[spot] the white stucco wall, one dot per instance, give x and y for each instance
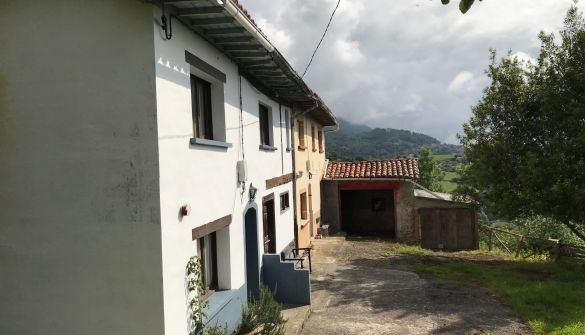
(80, 249)
(205, 177)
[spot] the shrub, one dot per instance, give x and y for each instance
(262, 316)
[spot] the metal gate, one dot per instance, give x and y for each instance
(448, 228)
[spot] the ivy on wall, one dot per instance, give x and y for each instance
(195, 291)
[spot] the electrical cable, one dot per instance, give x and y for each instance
(321, 40)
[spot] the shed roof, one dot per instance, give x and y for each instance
(406, 168)
(230, 28)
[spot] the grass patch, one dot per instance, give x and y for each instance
(550, 296)
(397, 248)
(448, 186)
(440, 158)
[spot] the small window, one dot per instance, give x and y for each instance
(320, 137)
(304, 213)
(284, 203)
(264, 117)
(201, 108)
(378, 205)
(301, 126)
(208, 255)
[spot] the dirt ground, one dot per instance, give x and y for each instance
(359, 290)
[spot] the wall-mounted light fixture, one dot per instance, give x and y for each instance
(185, 210)
(252, 192)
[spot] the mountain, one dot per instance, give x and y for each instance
(359, 142)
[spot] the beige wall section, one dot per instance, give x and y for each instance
(80, 241)
(309, 174)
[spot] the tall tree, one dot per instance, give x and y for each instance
(429, 173)
(525, 141)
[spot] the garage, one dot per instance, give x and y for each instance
(368, 212)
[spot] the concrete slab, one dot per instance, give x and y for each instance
(358, 289)
(295, 317)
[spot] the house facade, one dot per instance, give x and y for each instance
(136, 136)
(310, 166)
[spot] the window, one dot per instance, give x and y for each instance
(304, 213)
(378, 205)
(208, 255)
(201, 108)
(320, 137)
(284, 204)
(264, 125)
(288, 128)
(301, 126)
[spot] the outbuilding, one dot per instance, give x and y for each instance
(382, 198)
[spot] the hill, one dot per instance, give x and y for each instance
(359, 142)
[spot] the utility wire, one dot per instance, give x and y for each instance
(321, 40)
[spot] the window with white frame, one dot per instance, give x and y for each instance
(207, 101)
(265, 125)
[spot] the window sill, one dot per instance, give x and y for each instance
(321, 151)
(209, 143)
(304, 224)
(267, 147)
(217, 301)
(282, 211)
(289, 149)
(302, 148)
(314, 150)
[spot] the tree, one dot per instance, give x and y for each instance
(464, 5)
(429, 173)
(525, 141)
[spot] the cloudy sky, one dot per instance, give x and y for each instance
(408, 64)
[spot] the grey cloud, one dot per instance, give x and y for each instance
(389, 63)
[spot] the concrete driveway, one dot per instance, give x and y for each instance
(358, 290)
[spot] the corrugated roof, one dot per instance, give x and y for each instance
(392, 168)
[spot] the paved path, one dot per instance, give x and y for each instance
(356, 290)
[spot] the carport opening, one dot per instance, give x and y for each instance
(368, 212)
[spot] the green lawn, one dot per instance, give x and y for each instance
(549, 296)
(439, 158)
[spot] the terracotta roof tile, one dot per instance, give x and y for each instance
(392, 168)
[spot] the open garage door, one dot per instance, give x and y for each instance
(448, 228)
(368, 212)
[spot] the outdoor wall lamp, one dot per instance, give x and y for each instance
(252, 192)
(185, 210)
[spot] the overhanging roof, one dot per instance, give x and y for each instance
(228, 27)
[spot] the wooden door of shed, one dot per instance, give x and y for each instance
(448, 228)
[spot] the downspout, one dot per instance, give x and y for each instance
(294, 167)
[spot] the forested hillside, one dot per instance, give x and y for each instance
(359, 142)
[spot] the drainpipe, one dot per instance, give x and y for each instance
(294, 167)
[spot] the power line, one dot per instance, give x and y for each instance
(321, 40)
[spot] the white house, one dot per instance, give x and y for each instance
(128, 144)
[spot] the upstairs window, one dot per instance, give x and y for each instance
(320, 137)
(304, 213)
(301, 131)
(201, 108)
(313, 138)
(208, 255)
(264, 116)
(284, 202)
